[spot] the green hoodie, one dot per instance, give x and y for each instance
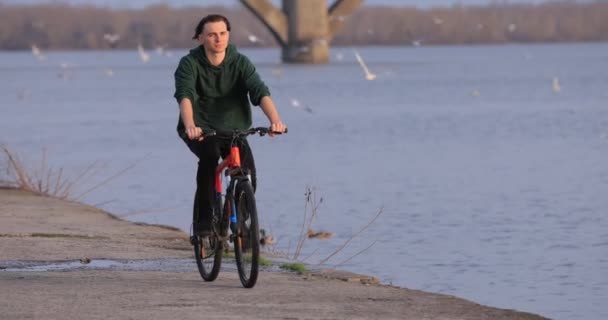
(218, 93)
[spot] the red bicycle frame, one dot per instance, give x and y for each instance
(232, 161)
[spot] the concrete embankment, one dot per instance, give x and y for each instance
(44, 232)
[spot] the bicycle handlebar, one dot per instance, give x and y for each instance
(241, 133)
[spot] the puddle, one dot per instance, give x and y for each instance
(158, 264)
(168, 265)
(175, 265)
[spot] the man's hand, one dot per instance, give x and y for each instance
(195, 133)
(276, 127)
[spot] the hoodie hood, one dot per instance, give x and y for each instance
(199, 53)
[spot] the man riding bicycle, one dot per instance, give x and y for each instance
(213, 86)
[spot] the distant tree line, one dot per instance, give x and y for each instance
(60, 26)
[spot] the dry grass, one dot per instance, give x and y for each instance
(312, 204)
(42, 180)
(311, 211)
(47, 181)
(345, 243)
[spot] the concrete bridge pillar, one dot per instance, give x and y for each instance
(303, 28)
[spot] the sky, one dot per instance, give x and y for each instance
(179, 3)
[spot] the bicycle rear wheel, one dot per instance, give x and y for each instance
(246, 240)
(208, 251)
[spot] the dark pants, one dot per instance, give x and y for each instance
(209, 152)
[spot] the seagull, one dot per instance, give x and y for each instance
(475, 93)
(296, 104)
(112, 38)
(108, 72)
(143, 55)
(437, 20)
(556, 87)
(65, 72)
(161, 50)
(512, 27)
(254, 39)
(303, 49)
(368, 74)
(37, 53)
(339, 56)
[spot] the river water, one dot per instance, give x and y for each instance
(489, 163)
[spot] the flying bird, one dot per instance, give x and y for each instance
(254, 39)
(112, 39)
(368, 74)
(296, 104)
(143, 55)
(556, 86)
(37, 53)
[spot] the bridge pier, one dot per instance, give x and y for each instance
(303, 28)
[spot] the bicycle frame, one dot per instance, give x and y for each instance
(232, 161)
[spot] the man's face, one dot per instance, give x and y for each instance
(215, 36)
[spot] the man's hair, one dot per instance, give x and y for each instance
(210, 18)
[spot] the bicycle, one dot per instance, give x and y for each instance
(235, 211)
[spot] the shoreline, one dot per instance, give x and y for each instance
(48, 230)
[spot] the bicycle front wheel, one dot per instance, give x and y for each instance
(246, 238)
